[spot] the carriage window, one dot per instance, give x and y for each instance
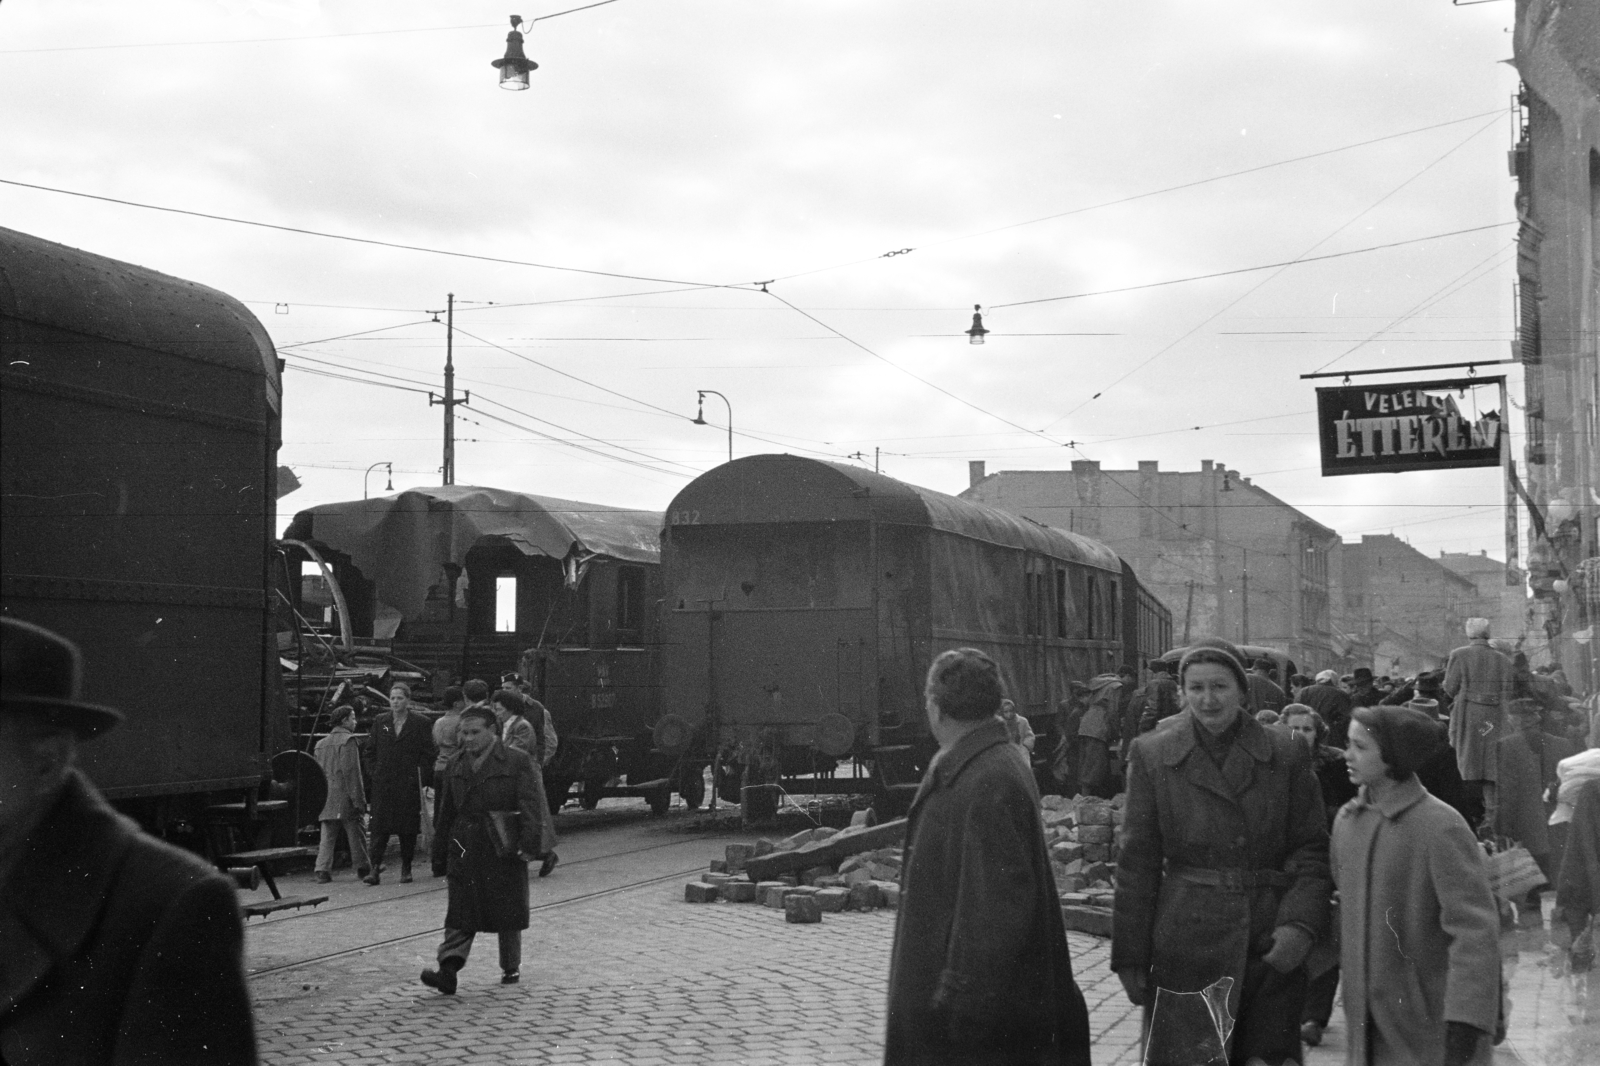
(505, 603)
(1061, 602)
(1093, 612)
(1034, 607)
(1116, 611)
(630, 599)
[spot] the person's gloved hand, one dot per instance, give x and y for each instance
(1290, 946)
(1134, 983)
(1461, 1043)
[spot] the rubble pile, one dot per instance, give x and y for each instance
(812, 873)
(1083, 834)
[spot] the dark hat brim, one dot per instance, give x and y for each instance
(85, 719)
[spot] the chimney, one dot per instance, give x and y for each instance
(1205, 466)
(1149, 466)
(974, 472)
(1085, 466)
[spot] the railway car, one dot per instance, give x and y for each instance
(139, 433)
(468, 581)
(804, 601)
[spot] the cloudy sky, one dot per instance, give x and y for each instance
(673, 154)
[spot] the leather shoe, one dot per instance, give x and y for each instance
(371, 878)
(443, 979)
(363, 872)
(323, 877)
(510, 977)
(405, 873)
(549, 863)
(1311, 1033)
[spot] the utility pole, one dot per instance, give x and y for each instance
(1245, 618)
(1188, 613)
(449, 402)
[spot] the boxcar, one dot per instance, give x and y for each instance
(804, 601)
(480, 582)
(140, 416)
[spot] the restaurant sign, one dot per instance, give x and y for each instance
(1423, 425)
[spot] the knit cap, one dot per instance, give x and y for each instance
(1215, 650)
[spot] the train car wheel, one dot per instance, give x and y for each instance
(692, 786)
(307, 788)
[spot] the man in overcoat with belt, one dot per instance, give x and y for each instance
(403, 753)
(1478, 681)
(981, 973)
(116, 949)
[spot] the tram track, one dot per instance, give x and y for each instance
(441, 886)
(436, 930)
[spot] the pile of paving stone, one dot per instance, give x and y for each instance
(812, 873)
(1084, 834)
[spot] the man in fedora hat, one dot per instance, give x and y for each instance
(117, 948)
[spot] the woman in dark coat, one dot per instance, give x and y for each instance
(402, 747)
(488, 890)
(1223, 873)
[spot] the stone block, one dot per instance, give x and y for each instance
(1095, 921)
(1059, 817)
(738, 892)
(764, 846)
(718, 879)
(771, 893)
(1096, 871)
(789, 879)
(1094, 812)
(1094, 834)
(883, 871)
(891, 894)
(699, 892)
(833, 900)
(858, 876)
(1070, 883)
(868, 817)
(831, 881)
(719, 866)
(809, 875)
(832, 850)
(736, 855)
(1096, 852)
(800, 909)
(866, 896)
(1053, 803)
(803, 890)
(1066, 851)
(853, 862)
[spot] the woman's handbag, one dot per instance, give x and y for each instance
(1513, 873)
(505, 833)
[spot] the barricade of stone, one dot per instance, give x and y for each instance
(832, 871)
(1084, 835)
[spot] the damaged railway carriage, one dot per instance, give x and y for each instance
(139, 432)
(480, 582)
(805, 601)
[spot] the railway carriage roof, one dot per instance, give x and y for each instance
(401, 541)
(54, 285)
(790, 488)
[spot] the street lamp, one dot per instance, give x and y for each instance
(514, 66)
(387, 488)
(700, 414)
(976, 333)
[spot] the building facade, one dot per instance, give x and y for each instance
(1556, 164)
(1401, 610)
(1502, 596)
(1227, 557)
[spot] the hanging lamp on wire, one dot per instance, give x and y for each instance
(976, 334)
(514, 66)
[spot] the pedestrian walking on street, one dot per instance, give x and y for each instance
(1265, 695)
(402, 742)
(1330, 701)
(1419, 927)
(445, 743)
(981, 972)
(118, 948)
(1222, 882)
(1478, 679)
(488, 831)
(517, 731)
(338, 755)
(1097, 733)
(1527, 762)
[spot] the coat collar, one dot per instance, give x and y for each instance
(55, 893)
(1181, 740)
(1404, 796)
(947, 765)
(496, 762)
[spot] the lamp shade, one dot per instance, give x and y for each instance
(514, 65)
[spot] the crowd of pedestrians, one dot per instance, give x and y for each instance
(1279, 843)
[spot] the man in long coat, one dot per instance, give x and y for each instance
(488, 891)
(981, 972)
(1332, 703)
(1478, 680)
(118, 949)
(403, 753)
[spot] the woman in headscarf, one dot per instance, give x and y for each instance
(1419, 928)
(1222, 882)
(488, 830)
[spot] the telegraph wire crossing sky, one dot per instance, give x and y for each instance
(1214, 199)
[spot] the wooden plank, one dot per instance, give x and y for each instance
(254, 858)
(266, 907)
(829, 852)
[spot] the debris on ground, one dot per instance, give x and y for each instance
(1083, 835)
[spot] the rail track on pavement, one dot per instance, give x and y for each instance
(441, 886)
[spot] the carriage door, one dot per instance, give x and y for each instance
(1033, 672)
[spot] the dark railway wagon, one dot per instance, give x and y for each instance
(139, 431)
(1146, 623)
(479, 582)
(806, 599)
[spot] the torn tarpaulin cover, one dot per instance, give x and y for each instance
(400, 542)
